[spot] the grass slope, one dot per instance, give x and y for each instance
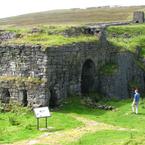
(74, 16)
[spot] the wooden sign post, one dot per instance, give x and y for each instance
(42, 112)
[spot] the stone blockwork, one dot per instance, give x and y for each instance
(138, 17)
(65, 66)
(119, 84)
(23, 75)
(36, 76)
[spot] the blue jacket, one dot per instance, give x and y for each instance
(136, 97)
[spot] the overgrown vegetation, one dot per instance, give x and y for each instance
(21, 80)
(140, 64)
(45, 35)
(109, 69)
(128, 37)
(51, 40)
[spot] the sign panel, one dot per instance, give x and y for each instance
(42, 112)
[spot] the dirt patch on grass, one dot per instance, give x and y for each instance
(61, 137)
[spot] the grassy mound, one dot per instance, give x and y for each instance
(128, 37)
(45, 35)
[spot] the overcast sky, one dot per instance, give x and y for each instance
(18, 7)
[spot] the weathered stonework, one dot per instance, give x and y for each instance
(65, 65)
(35, 76)
(138, 17)
(118, 84)
(23, 74)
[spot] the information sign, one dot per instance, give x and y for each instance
(42, 112)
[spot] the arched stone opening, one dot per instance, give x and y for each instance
(88, 77)
(5, 95)
(53, 101)
(24, 98)
(137, 22)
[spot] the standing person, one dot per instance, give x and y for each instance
(135, 102)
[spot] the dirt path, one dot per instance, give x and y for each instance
(61, 137)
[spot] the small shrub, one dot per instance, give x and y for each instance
(140, 64)
(29, 127)
(14, 121)
(18, 109)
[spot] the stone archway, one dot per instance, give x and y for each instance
(88, 77)
(25, 99)
(5, 95)
(53, 101)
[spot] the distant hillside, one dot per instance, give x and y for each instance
(74, 16)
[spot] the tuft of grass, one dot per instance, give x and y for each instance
(13, 120)
(140, 64)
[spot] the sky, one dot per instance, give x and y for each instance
(17, 7)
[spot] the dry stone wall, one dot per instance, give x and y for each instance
(23, 74)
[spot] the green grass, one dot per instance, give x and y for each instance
(26, 124)
(46, 36)
(128, 37)
(62, 120)
(51, 40)
(103, 138)
(112, 137)
(130, 30)
(121, 117)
